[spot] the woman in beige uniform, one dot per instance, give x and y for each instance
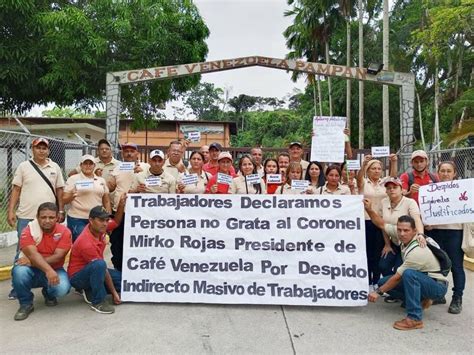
(293, 172)
(240, 185)
(197, 161)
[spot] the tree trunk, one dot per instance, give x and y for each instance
(436, 137)
(319, 96)
(385, 100)
(348, 63)
(329, 80)
(361, 83)
(421, 122)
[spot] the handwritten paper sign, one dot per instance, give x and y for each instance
(190, 179)
(353, 164)
(224, 179)
(194, 136)
(447, 202)
(127, 166)
(327, 144)
(84, 184)
(379, 152)
(299, 184)
(253, 179)
(274, 179)
(153, 181)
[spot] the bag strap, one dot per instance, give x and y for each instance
(45, 179)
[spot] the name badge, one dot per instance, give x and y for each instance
(190, 179)
(299, 184)
(253, 179)
(274, 179)
(153, 181)
(127, 166)
(224, 179)
(84, 185)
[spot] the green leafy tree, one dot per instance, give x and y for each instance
(204, 101)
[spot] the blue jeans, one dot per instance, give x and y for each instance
(450, 241)
(415, 287)
(21, 224)
(76, 225)
(389, 263)
(24, 278)
(92, 277)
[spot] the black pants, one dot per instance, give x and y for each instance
(116, 245)
(374, 244)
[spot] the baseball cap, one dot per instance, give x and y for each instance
(99, 212)
(130, 145)
(87, 157)
(38, 141)
(295, 143)
(224, 155)
(103, 141)
(157, 153)
(393, 180)
(419, 153)
(215, 145)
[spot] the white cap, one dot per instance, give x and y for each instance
(87, 157)
(419, 154)
(224, 155)
(157, 153)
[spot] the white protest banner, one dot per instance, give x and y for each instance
(153, 181)
(84, 184)
(274, 179)
(224, 179)
(253, 179)
(447, 202)
(380, 152)
(258, 249)
(299, 184)
(194, 136)
(126, 166)
(353, 164)
(327, 144)
(189, 179)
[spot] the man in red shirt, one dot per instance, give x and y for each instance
(212, 166)
(87, 269)
(44, 244)
(419, 176)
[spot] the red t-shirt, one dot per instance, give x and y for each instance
(271, 188)
(59, 238)
(85, 249)
(417, 179)
(213, 169)
(221, 188)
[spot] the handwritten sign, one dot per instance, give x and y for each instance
(253, 179)
(447, 202)
(299, 184)
(153, 181)
(274, 179)
(127, 166)
(194, 136)
(379, 152)
(327, 144)
(84, 184)
(353, 164)
(190, 179)
(224, 179)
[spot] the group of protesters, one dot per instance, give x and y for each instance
(95, 195)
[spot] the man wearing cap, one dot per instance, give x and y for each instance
(204, 150)
(216, 184)
(174, 164)
(154, 179)
(419, 176)
(87, 269)
(35, 181)
(84, 191)
(213, 166)
(295, 149)
(44, 244)
(258, 156)
(105, 163)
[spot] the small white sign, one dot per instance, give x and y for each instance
(127, 166)
(379, 152)
(84, 184)
(153, 181)
(194, 136)
(190, 179)
(274, 179)
(253, 179)
(299, 184)
(224, 179)
(353, 164)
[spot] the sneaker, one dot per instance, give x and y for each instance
(408, 324)
(391, 299)
(12, 295)
(456, 305)
(103, 307)
(426, 303)
(78, 291)
(87, 294)
(23, 312)
(439, 301)
(49, 301)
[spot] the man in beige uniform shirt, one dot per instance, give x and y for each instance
(154, 179)
(174, 164)
(296, 152)
(30, 189)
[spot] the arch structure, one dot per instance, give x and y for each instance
(405, 81)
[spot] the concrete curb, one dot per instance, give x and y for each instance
(5, 273)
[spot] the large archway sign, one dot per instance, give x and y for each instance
(406, 82)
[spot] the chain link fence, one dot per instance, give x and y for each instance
(15, 148)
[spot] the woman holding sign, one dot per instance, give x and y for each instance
(449, 237)
(333, 184)
(248, 182)
(271, 175)
(83, 192)
(294, 174)
(220, 183)
(195, 180)
(315, 176)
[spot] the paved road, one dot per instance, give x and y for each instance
(72, 327)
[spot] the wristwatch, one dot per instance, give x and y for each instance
(379, 292)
